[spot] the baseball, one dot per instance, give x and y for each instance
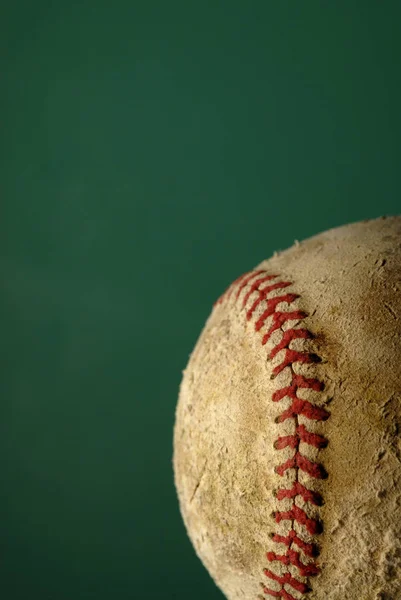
(287, 447)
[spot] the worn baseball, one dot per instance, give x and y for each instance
(287, 447)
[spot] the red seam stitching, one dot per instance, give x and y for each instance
(300, 490)
(302, 434)
(226, 295)
(289, 579)
(278, 317)
(309, 549)
(292, 557)
(313, 526)
(281, 594)
(298, 461)
(262, 293)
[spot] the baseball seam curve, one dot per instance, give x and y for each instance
(255, 289)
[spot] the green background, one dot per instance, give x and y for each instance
(150, 153)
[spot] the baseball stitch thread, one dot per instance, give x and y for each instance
(249, 284)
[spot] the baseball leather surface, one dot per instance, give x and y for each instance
(287, 447)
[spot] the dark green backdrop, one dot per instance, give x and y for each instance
(151, 152)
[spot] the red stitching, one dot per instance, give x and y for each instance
(289, 579)
(279, 318)
(281, 594)
(292, 538)
(246, 281)
(298, 461)
(299, 515)
(303, 435)
(305, 408)
(300, 490)
(291, 557)
(250, 284)
(262, 293)
(298, 381)
(226, 295)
